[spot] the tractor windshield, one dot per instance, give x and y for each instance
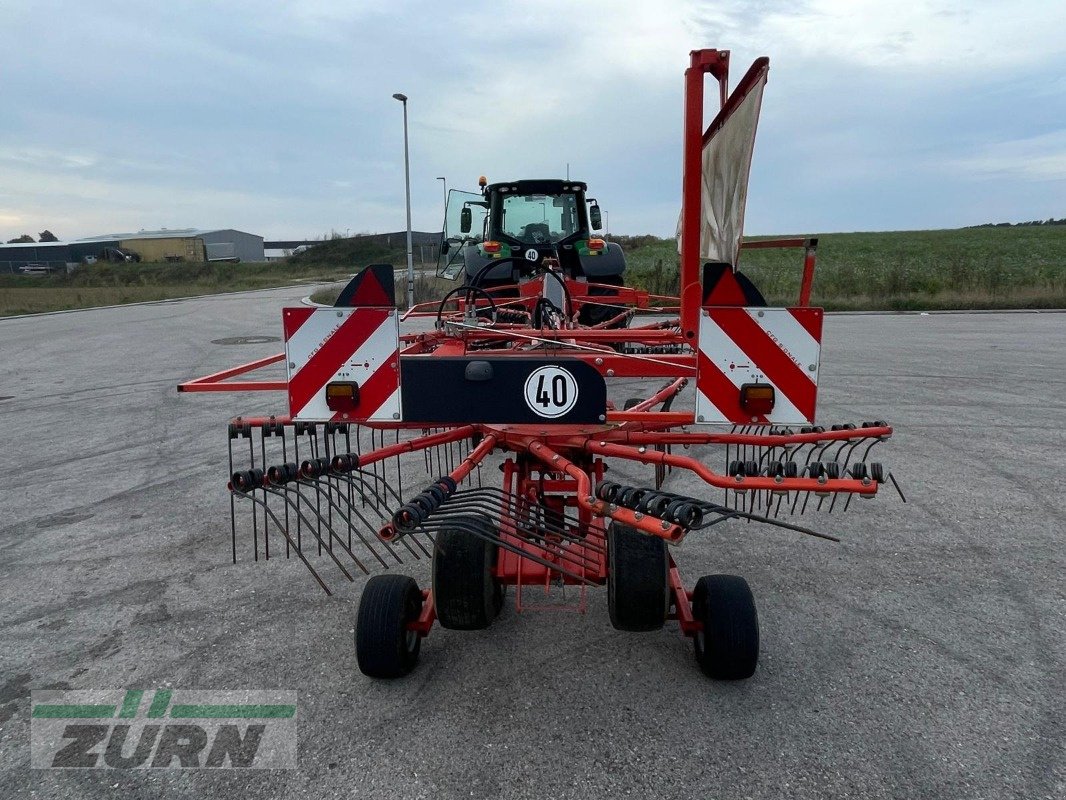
(539, 218)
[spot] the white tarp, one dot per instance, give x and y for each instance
(726, 165)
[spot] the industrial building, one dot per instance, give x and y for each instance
(187, 244)
(179, 244)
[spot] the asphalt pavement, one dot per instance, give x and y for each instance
(923, 657)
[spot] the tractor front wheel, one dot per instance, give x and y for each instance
(728, 646)
(385, 646)
(638, 596)
(466, 593)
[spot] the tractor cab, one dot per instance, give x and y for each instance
(504, 234)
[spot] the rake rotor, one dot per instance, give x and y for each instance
(510, 371)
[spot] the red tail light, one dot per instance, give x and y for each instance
(342, 396)
(757, 399)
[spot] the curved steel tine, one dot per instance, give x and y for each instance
(851, 450)
(559, 552)
(777, 508)
(315, 484)
(899, 491)
(380, 507)
(777, 523)
(364, 483)
(560, 530)
(478, 531)
(875, 440)
(448, 511)
(318, 536)
(500, 505)
(288, 538)
(350, 501)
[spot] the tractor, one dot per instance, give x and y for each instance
(499, 238)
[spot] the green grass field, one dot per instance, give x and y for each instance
(1019, 267)
(969, 268)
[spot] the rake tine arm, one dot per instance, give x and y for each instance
(661, 396)
(725, 482)
(510, 515)
(315, 483)
(561, 555)
(645, 435)
(526, 534)
(288, 538)
(892, 478)
(587, 500)
(725, 513)
(376, 507)
(364, 482)
(389, 532)
(477, 530)
(420, 443)
(502, 505)
(283, 494)
(474, 458)
(777, 523)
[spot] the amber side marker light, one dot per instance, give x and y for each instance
(757, 399)
(342, 396)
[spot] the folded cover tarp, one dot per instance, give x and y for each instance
(727, 150)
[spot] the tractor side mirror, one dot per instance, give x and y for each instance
(466, 220)
(595, 218)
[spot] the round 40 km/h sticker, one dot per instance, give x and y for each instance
(551, 391)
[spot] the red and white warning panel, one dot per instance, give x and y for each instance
(343, 364)
(758, 365)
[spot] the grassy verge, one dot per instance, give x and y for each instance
(114, 284)
(970, 268)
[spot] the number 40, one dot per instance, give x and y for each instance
(559, 391)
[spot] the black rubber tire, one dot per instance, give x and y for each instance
(638, 593)
(728, 646)
(466, 593)
(384, 647)
(632, 401)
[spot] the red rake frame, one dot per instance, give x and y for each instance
(558, 470)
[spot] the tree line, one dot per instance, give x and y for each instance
(1051, 221)
(43, 236)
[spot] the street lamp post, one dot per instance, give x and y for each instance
(407, 179)
(445, 181)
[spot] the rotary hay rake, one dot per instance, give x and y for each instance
(511, 381)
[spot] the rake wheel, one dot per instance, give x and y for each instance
(728, 646)
(465, 590)
(638, 595)
(384, 646)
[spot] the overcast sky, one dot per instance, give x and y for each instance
(277, 117)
